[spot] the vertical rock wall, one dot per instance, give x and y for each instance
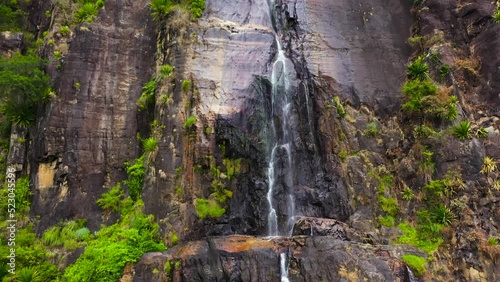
(89, 130)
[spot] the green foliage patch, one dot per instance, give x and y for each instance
(417, 264)
(463, 130)
(148, 94)
(208, 208)
(135, 181)
(23, 84)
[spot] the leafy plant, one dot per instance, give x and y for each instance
(417, 69)
(208, 207)
(340, 109)
(444, 70)
(166, 71)
(160, 9)
(111, 199)
(417, 264)
(462, 131)
(189, 122)
(493, 241)
(415, 91)
(489, 165)
(149, 144)
(23, 85)
(82, 233)
(442, 215)
(186, 85)
(64, 30)
(87, 12)
(27, 274)
(372, 129)
(408, 194)
(481, 133)
(196, 7)
(387, 221)
(388, 205)
(135, 181)
(148, 94)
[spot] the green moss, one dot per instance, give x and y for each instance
(342, 154)
(208, 208)
(340, 109)
(417, 264)
(177, 264)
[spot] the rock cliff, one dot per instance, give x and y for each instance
(339, 155)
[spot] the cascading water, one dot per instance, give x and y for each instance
(284, 268)
(280, 172)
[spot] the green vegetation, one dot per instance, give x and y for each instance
(372, 129)
(112, 199)
(69, 235)
(12, 18)
(196, 7)
(135, 181)
(481, 133)
(149, 144)
(496, 15)
(88, 11)
(340, 109)
(421, 237)
(417, 264)
(463, 131)
(189, 123)
(166, 71)
(387, 221)
(489, 165)
(174, 239)
(186, 85)
(167, 267)
(233, 167)
(114, 246)
(64, 30)
(148, 94)
(493, 241)
(408, 194)
(160, 9)
(417, 70)
(23, 85)
(208, 207)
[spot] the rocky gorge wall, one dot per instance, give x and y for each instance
(356, 157)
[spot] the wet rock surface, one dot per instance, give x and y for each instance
(245, 258)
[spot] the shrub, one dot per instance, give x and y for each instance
(417, 264)
(442, 215)
(148, 94)
(408, 194)
(186, 85)
(23, 85)
(189, 122)
(27, 274)
(444, 70)
(87, 12)
(114, 246)
(415, 91)
(496, 16)
(340, 109)
(64, 30)
(417, 69)
(149, 144)
(462, 131)
(372, 129)
(489, 165)
(196, 7)
(208, 207)
(388, 205)
(135, 179)
(111, 199)
(82, 233)
(160, 9)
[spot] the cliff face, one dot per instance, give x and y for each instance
(291, 106)
(89, 130)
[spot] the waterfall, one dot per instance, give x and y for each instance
(280, 173)
(284, 268)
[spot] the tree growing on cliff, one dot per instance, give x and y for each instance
(23, 84)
